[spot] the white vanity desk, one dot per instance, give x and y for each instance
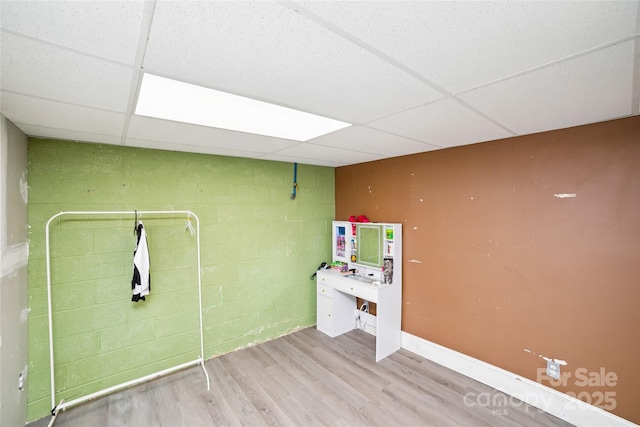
(336, 308)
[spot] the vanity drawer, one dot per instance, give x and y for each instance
(355, 288)
(325, 290)
(327, 282)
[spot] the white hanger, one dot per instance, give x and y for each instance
(189, 227)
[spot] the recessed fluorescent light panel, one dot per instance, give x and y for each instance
(169, 99)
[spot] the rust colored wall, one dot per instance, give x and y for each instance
(499, 268)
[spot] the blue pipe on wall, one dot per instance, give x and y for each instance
(295, 181)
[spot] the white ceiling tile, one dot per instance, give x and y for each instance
(269, 52)
(460, 45)
(109, 29)
(177, 133)
(168, 146)
(70, 135)
(443, 123)
(583, 90)
(307, 161)
(307, 150)
(523, 66)
(364, 139)
(43, 71)
(57, 115)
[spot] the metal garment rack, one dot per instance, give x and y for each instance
(199, 361)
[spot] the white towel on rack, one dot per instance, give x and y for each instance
(141, 283)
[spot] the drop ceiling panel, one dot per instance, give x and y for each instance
(443, 123)
(364, 139)
(306, 150)
(178, 134)
(267, 51)
(303, 160)
(70, 135)
(109, 29)
(411, 76)
(57, 115)
(583, 90)
(460, 45)
(44, 71)
(169, 146)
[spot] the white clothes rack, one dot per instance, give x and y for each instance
(62, 405)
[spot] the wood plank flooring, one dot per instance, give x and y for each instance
(309, 379)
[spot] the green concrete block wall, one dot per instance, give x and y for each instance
(258, 249)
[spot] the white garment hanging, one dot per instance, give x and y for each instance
(141, 282)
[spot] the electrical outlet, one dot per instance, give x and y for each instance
(553, 369)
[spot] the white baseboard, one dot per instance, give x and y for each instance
(559, 404)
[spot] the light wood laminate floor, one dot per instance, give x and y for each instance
(309, 379)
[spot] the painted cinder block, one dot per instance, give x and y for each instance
(87, 164)
(253, 194)
(209, 255)
(215, 193)
(37, 300)
(39, 386)
(223, 273)
(69, 296)
(187, 301)
(111, 289)
(38, 329)
(126, 334)
(91, 318)
(86, 267)
(81, 346)
(258, 248)
(156, 305)
(107, 240)
(225, 346)
(175, 280)
(177, 323)
(211, 295)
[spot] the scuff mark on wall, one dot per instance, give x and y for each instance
(564, 195)
(24, 188)
(24, 314)
(558, 361)
(417, 261)
(14, 257)
(548, 359)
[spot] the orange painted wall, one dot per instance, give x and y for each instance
(500, 268)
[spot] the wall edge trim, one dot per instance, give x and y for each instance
(535, 394)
